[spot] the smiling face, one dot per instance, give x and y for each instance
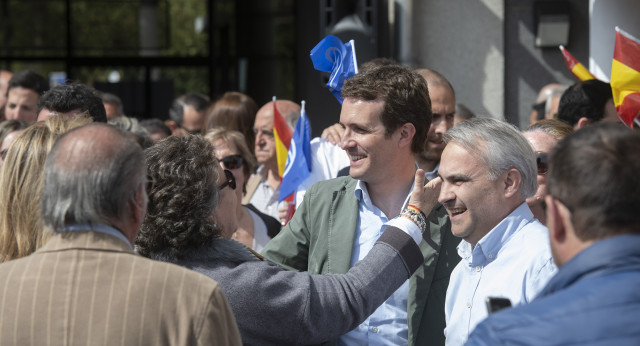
(371, 153)
(475, 202)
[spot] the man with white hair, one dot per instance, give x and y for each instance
(488, 170)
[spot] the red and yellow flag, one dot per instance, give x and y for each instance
(282, 134)
(625, 77)
(575, 66)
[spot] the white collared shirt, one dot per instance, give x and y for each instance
(512, 261)
(388, 324)
(265, 198)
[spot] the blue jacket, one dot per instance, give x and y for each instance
(594, 299)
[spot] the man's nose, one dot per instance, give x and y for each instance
(346, 141)
(445, 193)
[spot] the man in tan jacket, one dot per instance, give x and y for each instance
(86, 286)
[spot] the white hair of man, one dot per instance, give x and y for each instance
(500, 146)
(91, 177)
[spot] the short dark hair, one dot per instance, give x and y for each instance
(594, 172)
(29, 80)
(67, 97)
(405, 95)
(584, 99)
(198, 101)
(183, 172)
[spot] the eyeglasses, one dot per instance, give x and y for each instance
(232, 161)
(231, 180)
(542, 163)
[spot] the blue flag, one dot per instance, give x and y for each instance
(299, 158)
(331, 55)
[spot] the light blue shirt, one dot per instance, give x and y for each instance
(512, 261)
(388, 324)
(102, 228)
(433, 174)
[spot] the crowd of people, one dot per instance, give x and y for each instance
(417, 214)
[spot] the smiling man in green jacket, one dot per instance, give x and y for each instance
(386, 115)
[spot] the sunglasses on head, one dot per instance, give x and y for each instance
(542, 163)
(231, 180)
(231, 161)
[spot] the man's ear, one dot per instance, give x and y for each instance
(174, 127)
(406, 133)
(139, 204)
(555, 220)
(512, 182)
(582, 122)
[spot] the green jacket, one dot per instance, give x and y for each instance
(319, 239)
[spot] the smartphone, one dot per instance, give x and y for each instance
(495, 304)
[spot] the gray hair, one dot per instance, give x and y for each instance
(500, 146)
(90, 179)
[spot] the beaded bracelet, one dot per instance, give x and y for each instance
(416, 215)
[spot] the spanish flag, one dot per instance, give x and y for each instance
(282, 134)
(625, 77)
(575, 66)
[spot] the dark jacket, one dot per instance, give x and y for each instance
(274, 306)
(594, 299)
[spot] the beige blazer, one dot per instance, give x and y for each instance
(89, 288)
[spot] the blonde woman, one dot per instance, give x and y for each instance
(543, 135)
(255, 229)
(21, 230)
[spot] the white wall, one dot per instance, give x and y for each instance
(463, 40)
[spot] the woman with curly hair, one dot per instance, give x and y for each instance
(21, 230)
(191, 214)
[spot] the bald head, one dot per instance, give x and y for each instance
(435, 79)
(93, 175)
(289, 110)
(265, 148)
(90, 147)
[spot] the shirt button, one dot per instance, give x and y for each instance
(478, 268)
(490, 255)
(374, 329)
(469, 305)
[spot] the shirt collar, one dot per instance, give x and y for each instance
(101, 228)
(262, 173)
(362, 195)
(433, 174)
(489, 246)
